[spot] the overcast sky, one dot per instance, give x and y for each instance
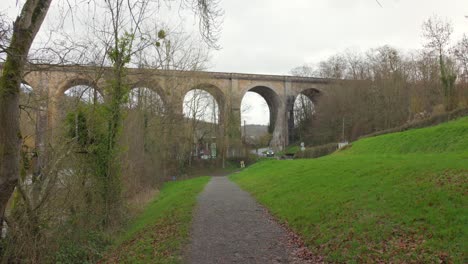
(274, 36)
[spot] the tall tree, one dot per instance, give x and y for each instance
(25, 28)
(461, 54)
(437, 33)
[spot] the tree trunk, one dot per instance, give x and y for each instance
(25, 29)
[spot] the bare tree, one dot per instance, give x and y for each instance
(437, 33)
(461, 54)
(5, 34)
(304, 71)
(177, 51)
(334, 67)
(357, 66)
(201, 109)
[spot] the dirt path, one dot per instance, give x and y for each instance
(230, 227)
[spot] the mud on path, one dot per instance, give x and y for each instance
(230, 227)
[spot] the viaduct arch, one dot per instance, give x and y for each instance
(227, 88)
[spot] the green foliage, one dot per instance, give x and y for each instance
(161, 34)
(122, 52)
(7, 86)
(77, 127)
(160, 232)
(89, 126)
(292, 149)
(394, 198)
(81, 246)
(317, 151)
(104, 150)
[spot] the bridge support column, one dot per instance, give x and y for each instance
(280, 137)
(39, 81)
(233, 137)
(231, 125)
(278, 141)
(290, 117)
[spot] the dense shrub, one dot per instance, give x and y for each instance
(432, 121)
(318, 151)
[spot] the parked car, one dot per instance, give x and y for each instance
(270, 153)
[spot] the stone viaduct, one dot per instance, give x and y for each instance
(227, 88)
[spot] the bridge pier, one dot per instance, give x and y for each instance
(284, 116)
(233, 146)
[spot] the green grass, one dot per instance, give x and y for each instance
(290, 149)
(160, 232)
(399, 197)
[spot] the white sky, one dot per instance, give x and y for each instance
(274, 36)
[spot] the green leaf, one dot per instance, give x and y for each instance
(161, 34)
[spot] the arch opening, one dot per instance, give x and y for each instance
(255, 119)
(75, 112)
(147, 99)
(83, 94)
(303, 110)
(259, 111)
(201, 105)
(203, 114)
(272, 101)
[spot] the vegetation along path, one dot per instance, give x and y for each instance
(230, 227)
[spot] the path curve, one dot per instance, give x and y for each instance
(230, 227)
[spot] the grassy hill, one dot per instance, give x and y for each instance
(399, 197)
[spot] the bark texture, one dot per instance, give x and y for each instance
(25, 28)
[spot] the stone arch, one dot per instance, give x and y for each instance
(300, 108)
(153, 86)
(60, 103)
(217, 94)
(78, 82)
(312, 93)
(154, 97)
(214, 90)
(209, 134)
(273, 101)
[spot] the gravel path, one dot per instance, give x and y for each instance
(230, 227)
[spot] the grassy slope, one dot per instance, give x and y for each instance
(161, 231)
(399, 197)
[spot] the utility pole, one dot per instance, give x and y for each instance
(343, 137)
(245, 130)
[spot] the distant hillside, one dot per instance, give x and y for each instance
(255, 130)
